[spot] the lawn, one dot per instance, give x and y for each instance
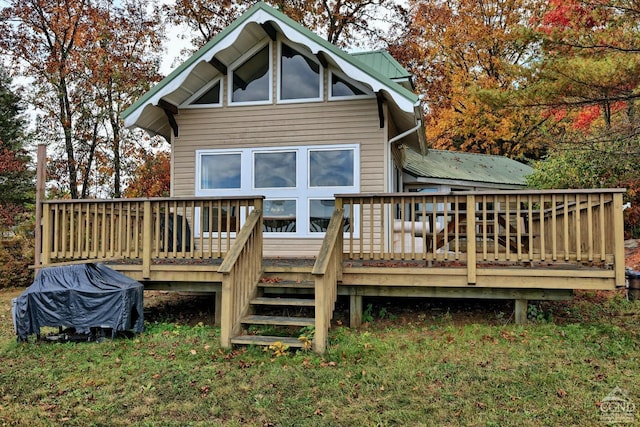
(419, 363)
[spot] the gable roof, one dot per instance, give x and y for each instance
(231, 43)
(459, 166)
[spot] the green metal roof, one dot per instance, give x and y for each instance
(383, 62)
(455, 165)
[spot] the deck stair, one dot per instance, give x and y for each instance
(283, 307)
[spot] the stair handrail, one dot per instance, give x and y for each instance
(241, 270)
(327, 271)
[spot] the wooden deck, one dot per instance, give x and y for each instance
(521, 245)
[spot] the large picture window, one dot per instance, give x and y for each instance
(298, 182)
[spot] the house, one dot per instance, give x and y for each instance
(267, 107)
(298, 168)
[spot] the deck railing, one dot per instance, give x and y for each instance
(142, 229)
(327, 271)
(241, 271)
(491, 227)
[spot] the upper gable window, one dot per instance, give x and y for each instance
(252, 80)
(211, 96)
(208, 96)
(300, 76)
(341, 88)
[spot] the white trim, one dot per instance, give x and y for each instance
(245, 58)
(302, 51)
(187, 104)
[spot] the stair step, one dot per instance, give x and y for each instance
(266, 340)
(287, 284)
(279, 320)
(295, 302)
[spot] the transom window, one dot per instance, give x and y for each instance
(298, 182)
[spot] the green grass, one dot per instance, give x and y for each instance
(422, 369)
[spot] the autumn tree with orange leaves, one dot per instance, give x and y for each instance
(470, 58)
(88, 60)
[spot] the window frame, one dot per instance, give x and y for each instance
(321, 73)
(243, 60)
(368, 93)
(302, 193)
(188, 103)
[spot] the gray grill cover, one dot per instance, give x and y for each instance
(80, 296)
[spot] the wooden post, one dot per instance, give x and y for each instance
(521, 311)
(147, 228)
(471, 239)
(355, 311)
(320, 339)
(218, 308)
(41, 179)
(226, 313)
(618, 240)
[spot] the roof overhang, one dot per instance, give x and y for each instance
(260, 21)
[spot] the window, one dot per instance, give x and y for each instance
(341, 88)
(298, 182)
(220, 171)
(208, 96)
(251, 81)
(279, 216)
(331, 168)
(299, 75)
(275, 170)
(320, 212)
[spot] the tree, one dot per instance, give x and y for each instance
(471, 58)
(341, 22)
(152, 177)
(16, 179)
(88, 60)
(590, 70)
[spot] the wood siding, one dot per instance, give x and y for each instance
(282, 125)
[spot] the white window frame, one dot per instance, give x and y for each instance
(188, 103)
(303, 52)
(368, 93)
(302, 193)
(241, 61)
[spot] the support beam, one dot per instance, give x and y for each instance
(270, 30)
(218, 65)
(170, 110)
(380, 100)
(521, 311)
(355, 311)
(322, 59)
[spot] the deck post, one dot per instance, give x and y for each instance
(147, 223)
(618, 240)
(521, 311)
(217, 308)
(471, 239)
(41, 178)
(355, 311)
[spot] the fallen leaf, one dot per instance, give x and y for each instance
(561, 393)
